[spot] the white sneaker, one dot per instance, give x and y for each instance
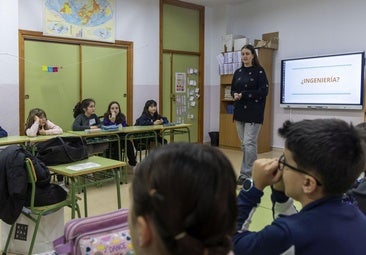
(134, 168)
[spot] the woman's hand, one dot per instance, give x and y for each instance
(237, 96)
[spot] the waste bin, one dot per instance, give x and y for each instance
(214, 136)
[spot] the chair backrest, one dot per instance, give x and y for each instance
(32, 179)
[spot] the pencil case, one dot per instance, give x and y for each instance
(106, 234)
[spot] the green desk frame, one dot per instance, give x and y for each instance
(78, 179)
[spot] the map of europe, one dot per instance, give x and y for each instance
(85, 19)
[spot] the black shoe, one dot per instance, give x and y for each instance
(132, 163)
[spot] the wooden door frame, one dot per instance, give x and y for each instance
(24, 35)
(200, 54)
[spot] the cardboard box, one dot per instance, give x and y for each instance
(240, 42)
(272, 40)
(269, 40)
(228, 42)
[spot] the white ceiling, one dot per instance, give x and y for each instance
(214, 2)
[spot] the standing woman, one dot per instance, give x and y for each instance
(249, 89)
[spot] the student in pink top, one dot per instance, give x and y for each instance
(38, 124)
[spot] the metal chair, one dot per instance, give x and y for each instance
(35, 213)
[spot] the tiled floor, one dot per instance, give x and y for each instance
(104, 198)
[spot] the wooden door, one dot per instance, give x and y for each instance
(55, 91)
(104, 76)
(181, 51)
(183, 98)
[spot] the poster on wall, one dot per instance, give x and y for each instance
(81, 19)
(180, 82)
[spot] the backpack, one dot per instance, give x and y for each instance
(42, 171)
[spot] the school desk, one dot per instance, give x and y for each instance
(175, 129)
(14, 139)
(91, 171)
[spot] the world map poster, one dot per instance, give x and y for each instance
(82, 19)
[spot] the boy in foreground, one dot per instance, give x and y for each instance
(321, 161)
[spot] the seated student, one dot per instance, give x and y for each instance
(321, 160)
(150, 116)
(85, 117)
(38, 124)
(114, 116)
(3, 132)
(183, 201)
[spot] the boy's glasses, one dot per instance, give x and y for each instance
(282, 163)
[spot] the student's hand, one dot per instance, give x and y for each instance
(36, 118)
(158, 122)
(279, 186)
(265, 172)
(42, 131)
(93, 127)
(112, 117)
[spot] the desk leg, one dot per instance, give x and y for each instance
(83, 188)
(189, 134)
(73, 196)
(118, 188)
(120, 155)
(125, 171)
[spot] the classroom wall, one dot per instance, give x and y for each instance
(306, 28)
(136, 21)
(9, 78)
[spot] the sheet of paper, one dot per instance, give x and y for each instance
(83, 166)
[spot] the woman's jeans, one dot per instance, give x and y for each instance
(248, 134)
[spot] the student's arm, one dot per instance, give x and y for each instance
(3, 133)
(165, 120)
(52, 129)
(124, 121)
(273, 239)
(78, 124)
(107, 121)
(33, 130)
(144, 121)
(98, 123)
